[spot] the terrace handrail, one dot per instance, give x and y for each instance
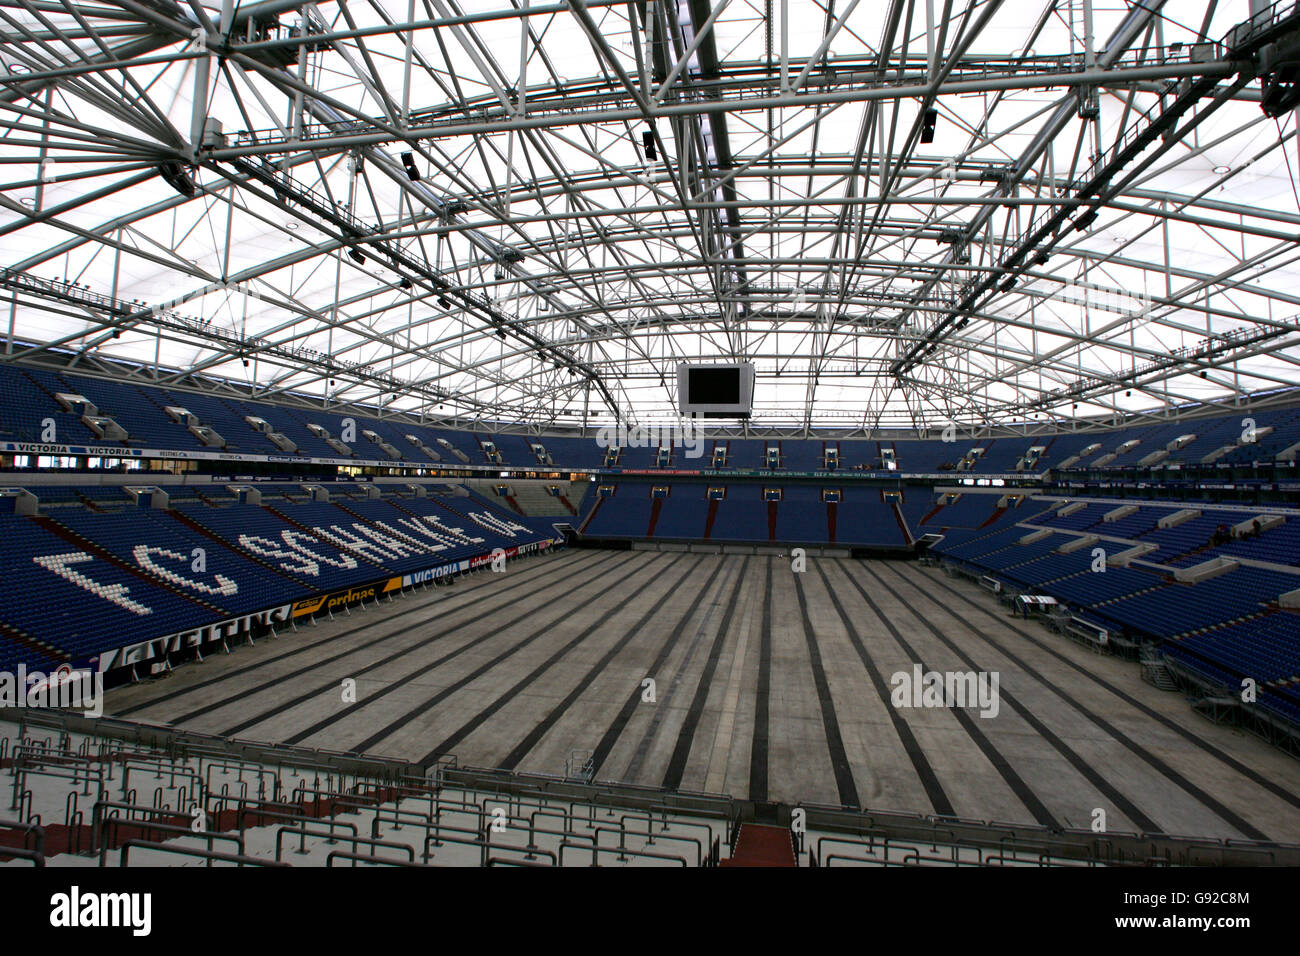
(1067, 844)
(236, 858)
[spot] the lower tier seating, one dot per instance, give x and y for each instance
(79, 583)
(1241, 622)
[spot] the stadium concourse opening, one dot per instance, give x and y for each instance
(679, 434)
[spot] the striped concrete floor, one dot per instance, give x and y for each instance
(767, 683)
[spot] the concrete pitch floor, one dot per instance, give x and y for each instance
(768, 684)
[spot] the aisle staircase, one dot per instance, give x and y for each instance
(1155, 672)
(760, 844)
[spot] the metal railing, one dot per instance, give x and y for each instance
(507, 818)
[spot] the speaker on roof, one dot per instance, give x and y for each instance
(408, 160)
(648, 143)
(927, 126)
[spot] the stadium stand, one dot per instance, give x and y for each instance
(682, 434)
(93, 570)
(1240, 619)
(141, 411)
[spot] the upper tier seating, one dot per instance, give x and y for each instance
(27, 400)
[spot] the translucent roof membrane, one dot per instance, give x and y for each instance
(1023, 212)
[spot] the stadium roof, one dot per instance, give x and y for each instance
(1104, 220)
